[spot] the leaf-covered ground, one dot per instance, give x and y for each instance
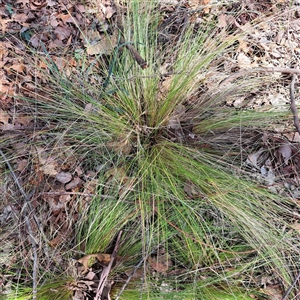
(41, 174)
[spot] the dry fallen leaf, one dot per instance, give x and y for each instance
(4, 119)
(243, 46)
(105, 46)
(222, 23)
(161, 263)
(62, 32)
(284, 151)
(47, 164)
(253, 158)
(88, 260)
(244, 61)
(65, 17)
(18, 67)
(76, 182)
(292, 137)
(63, 177)
(108, 11)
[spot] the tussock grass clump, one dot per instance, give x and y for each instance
(163, 179)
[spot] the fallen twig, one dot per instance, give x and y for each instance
(279, 70)
(106, 270)
(130, 277)
(293, 104)
(285, 297)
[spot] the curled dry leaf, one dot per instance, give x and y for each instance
(285, 151)
(108, 11)
(62, 32)
(253, 158)
(47, 164)
(78, 295)
(49, 168)
(76, 182)
(292, 136)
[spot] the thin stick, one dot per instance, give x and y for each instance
(130, 276)
(280, 70)
(106, 270)
(285, 297)
(293, 104)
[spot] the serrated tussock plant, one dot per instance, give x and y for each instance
(173, 185)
